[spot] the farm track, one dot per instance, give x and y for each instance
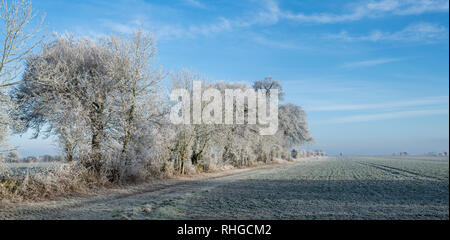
(168, 187)
(330, 188)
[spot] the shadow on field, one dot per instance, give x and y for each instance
(310, 199)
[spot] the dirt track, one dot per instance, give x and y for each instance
(351, 188)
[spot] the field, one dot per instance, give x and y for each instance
(328, 188)
(37, 167)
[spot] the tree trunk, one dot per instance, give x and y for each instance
(97, 138)
(69, 152)
(128, 134)
(96, 143)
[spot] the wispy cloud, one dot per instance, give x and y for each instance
(390, 115)
(268, 12)
(370, 63)
(373, 9)
(444, 100)
(427, 32)
(170, 31)
(195, 3)
(125, 28)
(272, 13)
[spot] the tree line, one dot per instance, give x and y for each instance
(107, 103)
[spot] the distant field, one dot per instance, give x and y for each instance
(39, 167)
(330, 188)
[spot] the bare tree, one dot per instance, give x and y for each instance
(17, 40)
(267, 84)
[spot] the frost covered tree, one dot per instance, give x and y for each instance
(293, 127)
(236, 141)
(70, 76)
(184, 134)
(12, 156)
(39, 110)
(139, 86)
(100, 98)
(267, 84)
(235, 144)
(17, 39)
(104, 102)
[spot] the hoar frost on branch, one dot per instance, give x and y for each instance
(101, 88)
(104, 102)
(18, 37)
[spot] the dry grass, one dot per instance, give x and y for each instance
(73, 179)
(61, 182)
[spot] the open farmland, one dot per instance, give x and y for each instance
(20, 169)
(328, 188)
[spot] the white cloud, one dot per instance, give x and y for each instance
(440, 100)
(125, 28)
(418, 32)
(422, 6)
(222, 25)
(388, 110)
(369, 63)
(195, 3)
(373, 9)
(365, 9)
(268, 12)
(391, 115)
(323, 17)
(170, 31)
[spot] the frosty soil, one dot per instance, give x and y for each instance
(328, 188)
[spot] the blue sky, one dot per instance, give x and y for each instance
(373, 76)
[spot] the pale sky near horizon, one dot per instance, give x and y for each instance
(373, 76)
